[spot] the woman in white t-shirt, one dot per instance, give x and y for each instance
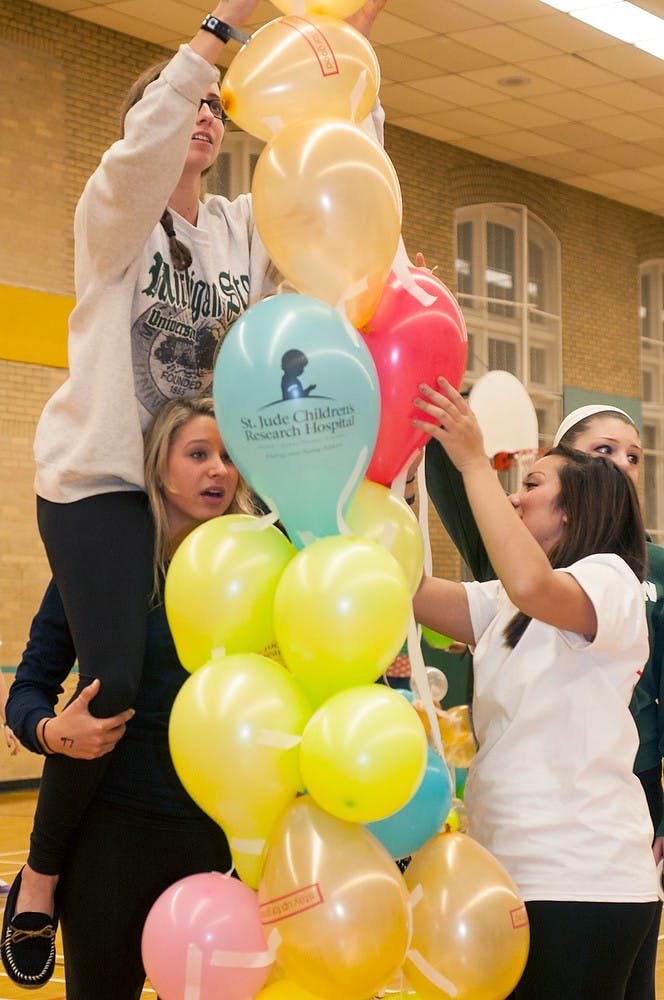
(559, 641)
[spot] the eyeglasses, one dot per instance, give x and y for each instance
(214, 104)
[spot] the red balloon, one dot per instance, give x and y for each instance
(411, 343)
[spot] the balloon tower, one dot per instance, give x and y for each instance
(319, 776)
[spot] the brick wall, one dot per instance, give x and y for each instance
(62, 83)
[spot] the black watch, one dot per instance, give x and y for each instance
(223, 31)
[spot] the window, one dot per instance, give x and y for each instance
(652, 375)
(508, 281)
(234, 168)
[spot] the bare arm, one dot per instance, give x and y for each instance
(522, 566)
(443, 606)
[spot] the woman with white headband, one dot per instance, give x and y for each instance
(597, 429)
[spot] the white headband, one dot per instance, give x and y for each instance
(582, 413)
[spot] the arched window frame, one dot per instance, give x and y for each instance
(508, 285)
(233, 169)
(651, 314)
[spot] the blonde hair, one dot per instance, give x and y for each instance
(158, 439)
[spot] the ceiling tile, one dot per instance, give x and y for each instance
(389, 30)
(503, 41)
(449, 56)
(571, 71)
(573, 104)
(402, 68)
(633, 180)
(416, 102)
(458, 90)
(440, 14)
(579, 162)
(630, 127)
(625, 60)
(627, 96)
(503, 77)
(468, 122)
(629, 154)
(529, 144)
(563, 31)
(522, 113)
(577, 134)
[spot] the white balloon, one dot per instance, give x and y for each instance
(505, 413)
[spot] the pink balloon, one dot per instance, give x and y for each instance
(411, 343)
(203, 939)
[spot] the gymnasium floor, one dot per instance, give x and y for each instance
(16, 809)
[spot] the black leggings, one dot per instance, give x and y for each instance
(582, 951)
(119, 862)
(100, 551)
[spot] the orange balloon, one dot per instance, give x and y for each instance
(298, 68)
(376, 513)
(220, 588)
(470, 928)
(337, 8)
(338, 901)
(327, 205)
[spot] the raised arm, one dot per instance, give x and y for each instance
(521, 564)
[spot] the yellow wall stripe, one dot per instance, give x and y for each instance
(33, 326)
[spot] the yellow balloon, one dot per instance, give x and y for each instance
(327, 205)
(234, 738)
(470, 928)
(337, 8)
(220, 588)
(338, 901)
(286, 989)
(298, 68)
(376, 513)
(363, 753)
(341, 614)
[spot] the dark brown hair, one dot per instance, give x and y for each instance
(603, 515)
(180, 252)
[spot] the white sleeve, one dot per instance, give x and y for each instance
(124, 198)
(483, 604)
(617, 598)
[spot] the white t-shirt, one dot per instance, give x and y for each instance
(551, 793)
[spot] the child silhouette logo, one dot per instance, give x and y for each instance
(293, 363)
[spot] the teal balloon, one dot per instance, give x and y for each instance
(405, 831)
(297, 401)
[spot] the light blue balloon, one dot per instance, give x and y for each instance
(297, 401)
(405, 831)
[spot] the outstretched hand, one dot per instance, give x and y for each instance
(77, 733)
(363, 19)
(455, 426)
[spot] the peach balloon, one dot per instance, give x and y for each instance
(337, 8)
(327, 205)
(338, 901)
(298, 68)
(470, 928)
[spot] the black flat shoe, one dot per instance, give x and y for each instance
(28, 943)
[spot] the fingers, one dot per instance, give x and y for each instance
(89, 692)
